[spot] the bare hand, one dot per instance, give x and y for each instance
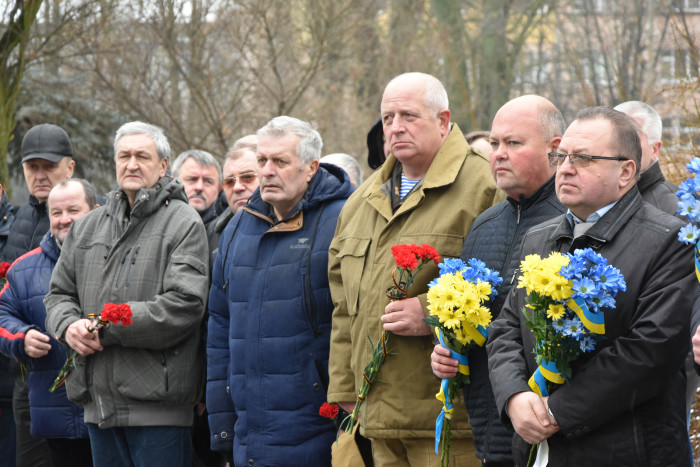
(528, 413)
(442, 364)
(79, 339)
(696, 345)
(36, 343)
(405, 318)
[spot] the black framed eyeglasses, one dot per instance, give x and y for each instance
(246, 179)
(578, 160)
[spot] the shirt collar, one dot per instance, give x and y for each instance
(593, 218)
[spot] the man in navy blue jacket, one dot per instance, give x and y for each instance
(23, 332)
(524, 130)
(270, 307)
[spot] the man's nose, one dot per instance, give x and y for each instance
(131, 164)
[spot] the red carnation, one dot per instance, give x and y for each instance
(4, 266)
(116, 314)
(328, 410)
(427, 252)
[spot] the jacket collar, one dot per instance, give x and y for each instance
(34, 202)
(329, 183)
(650, 177)
(607, 227)
(148, 200)
(50, 247)
(542, 193)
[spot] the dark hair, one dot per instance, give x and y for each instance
(626, 142)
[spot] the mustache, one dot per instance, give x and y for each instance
(198, 194)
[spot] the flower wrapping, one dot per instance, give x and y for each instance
(456, 303)
(409, 260)
(567, 296)
(111, 313)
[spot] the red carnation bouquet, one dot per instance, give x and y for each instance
(4, 267)
(409, 260)
(111, 313)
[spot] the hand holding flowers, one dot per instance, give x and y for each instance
(566, 298)
(111, 313)
(456, 304)
(409, 260)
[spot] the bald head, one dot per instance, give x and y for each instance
(415, 120)
(524, 130)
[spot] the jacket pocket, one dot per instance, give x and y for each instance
(76, 382)
(352, 254)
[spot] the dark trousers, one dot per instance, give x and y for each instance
(141, 446)
(70, 452)
(31, 452)
(201, 442)
(8, 439)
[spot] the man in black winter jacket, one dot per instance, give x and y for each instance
(623, 404)
(47, 158)
(524, 130)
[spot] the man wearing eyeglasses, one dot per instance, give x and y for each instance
(624, 403)
(239, 183)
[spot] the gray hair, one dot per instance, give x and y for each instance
(625, 140)
(650, 119)
(245, 142)
(551, 121)
(141, 128)
(202, 158)
(310, 144)
(88, 189)
(435, 94)
(347, 163)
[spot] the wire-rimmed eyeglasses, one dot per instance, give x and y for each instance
(245, 178)
(578, 160)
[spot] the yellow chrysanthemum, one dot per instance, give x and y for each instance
(462, 336)
(451, 319)
(530, 263)
(483, 290)
(560, 289)
(556, 311)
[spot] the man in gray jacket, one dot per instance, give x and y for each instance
(147, 248)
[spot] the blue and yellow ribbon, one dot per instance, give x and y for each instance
(594, 322)
(547, 371)
(444, 394)
(479, 334)
(697, 262)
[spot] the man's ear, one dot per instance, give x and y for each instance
(163, 166)
(553, 144)
(444, 121)
(313, 168)
(628, 173)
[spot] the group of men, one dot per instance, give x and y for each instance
(278, 266)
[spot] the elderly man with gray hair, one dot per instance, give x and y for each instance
(200, 172)
(270, 307)
(145, 248)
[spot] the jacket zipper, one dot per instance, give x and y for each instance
(164, 362)
(131, 266)
(121, 266)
